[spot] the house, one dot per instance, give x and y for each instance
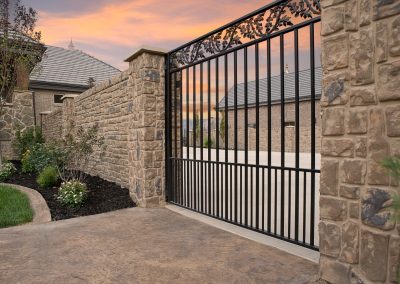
(65, 71)
(61, 71)
(289, 121)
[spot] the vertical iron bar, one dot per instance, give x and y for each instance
(216, 204)
(246, 134)
(297, 125)
(304, 206)
(188, 177)
(167, 129)
(175, 155)
(312, 66)
(282, 63)
(201, 141)
(235, 82)
(194, 140)
(276, 202)
(181, 135)
(257, 135)
(210, 192)
(269, 133)
(226, 135)
(290, 203)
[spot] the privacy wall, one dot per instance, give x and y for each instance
(129, 112)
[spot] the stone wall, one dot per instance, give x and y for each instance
(359, 242)
(129, 112)
(17, 115)
(51, 124)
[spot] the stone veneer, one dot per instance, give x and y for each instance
(17, 115)
(129, 111)
(359, 242)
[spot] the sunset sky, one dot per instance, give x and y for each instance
(112, 30)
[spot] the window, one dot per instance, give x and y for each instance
(57, 99)
(290, 123)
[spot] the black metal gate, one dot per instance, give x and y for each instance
(241, 118)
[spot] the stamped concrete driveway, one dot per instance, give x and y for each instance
(141, 246)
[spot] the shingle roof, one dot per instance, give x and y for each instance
(289, 80)
(70, 67)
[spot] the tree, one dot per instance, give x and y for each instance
(20, 48)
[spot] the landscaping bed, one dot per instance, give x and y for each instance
(103, 196)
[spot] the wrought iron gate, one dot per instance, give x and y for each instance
(241, 116)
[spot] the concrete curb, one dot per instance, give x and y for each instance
(39, 206)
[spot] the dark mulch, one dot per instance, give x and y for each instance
(103, 196)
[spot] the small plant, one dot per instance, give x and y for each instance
(24, 140)
(48, 177)
(72, 193)
(6, 170)
(208, 142)
(41, 156)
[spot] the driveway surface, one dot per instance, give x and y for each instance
(141, 246)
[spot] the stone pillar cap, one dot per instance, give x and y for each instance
(45, 112)
(148, 49)
(69, 96)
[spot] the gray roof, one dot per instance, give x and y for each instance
(289, 80)
(67, 67)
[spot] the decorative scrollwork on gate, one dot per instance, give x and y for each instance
(265, 23)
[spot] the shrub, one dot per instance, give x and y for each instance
(6, 170)
(48, 177)
(41, 156)
(72, 193)
(77, 147)
(28, 138)
(208, 142)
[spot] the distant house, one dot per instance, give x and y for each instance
(65, 71)
(289, 121)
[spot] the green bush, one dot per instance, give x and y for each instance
(40, 156)
(24, 140)
(48, 177)
(208, 142)
(6, 170)
(72, 193)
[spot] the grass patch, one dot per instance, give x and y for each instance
(15, 208)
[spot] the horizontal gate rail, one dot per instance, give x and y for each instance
(227, 128)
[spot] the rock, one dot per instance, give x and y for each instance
(362, 57)
(351, 192)
(354, 210)
(360, 147)
(330, 238)
(350, 243)
(353, 171)
(333, 122)
(385, 8)
(393, 121)
(334, 89)
(365, 12)
(350, 16)
(377, 175)
(357, 121)
(333, 20)
(376, 123)
(378, 149)
(337, 147)
(389, 81)
(336, 52)
(333, 209)
(394, 45)
(394, 258)
(362, 97)
(329, 177)
(334, 271)
(381, 42)
(375, 209)
(374, 255)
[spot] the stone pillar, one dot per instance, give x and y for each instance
(68, 113)
(359, 242)
(146, 127)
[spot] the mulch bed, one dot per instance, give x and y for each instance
(103, 196)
